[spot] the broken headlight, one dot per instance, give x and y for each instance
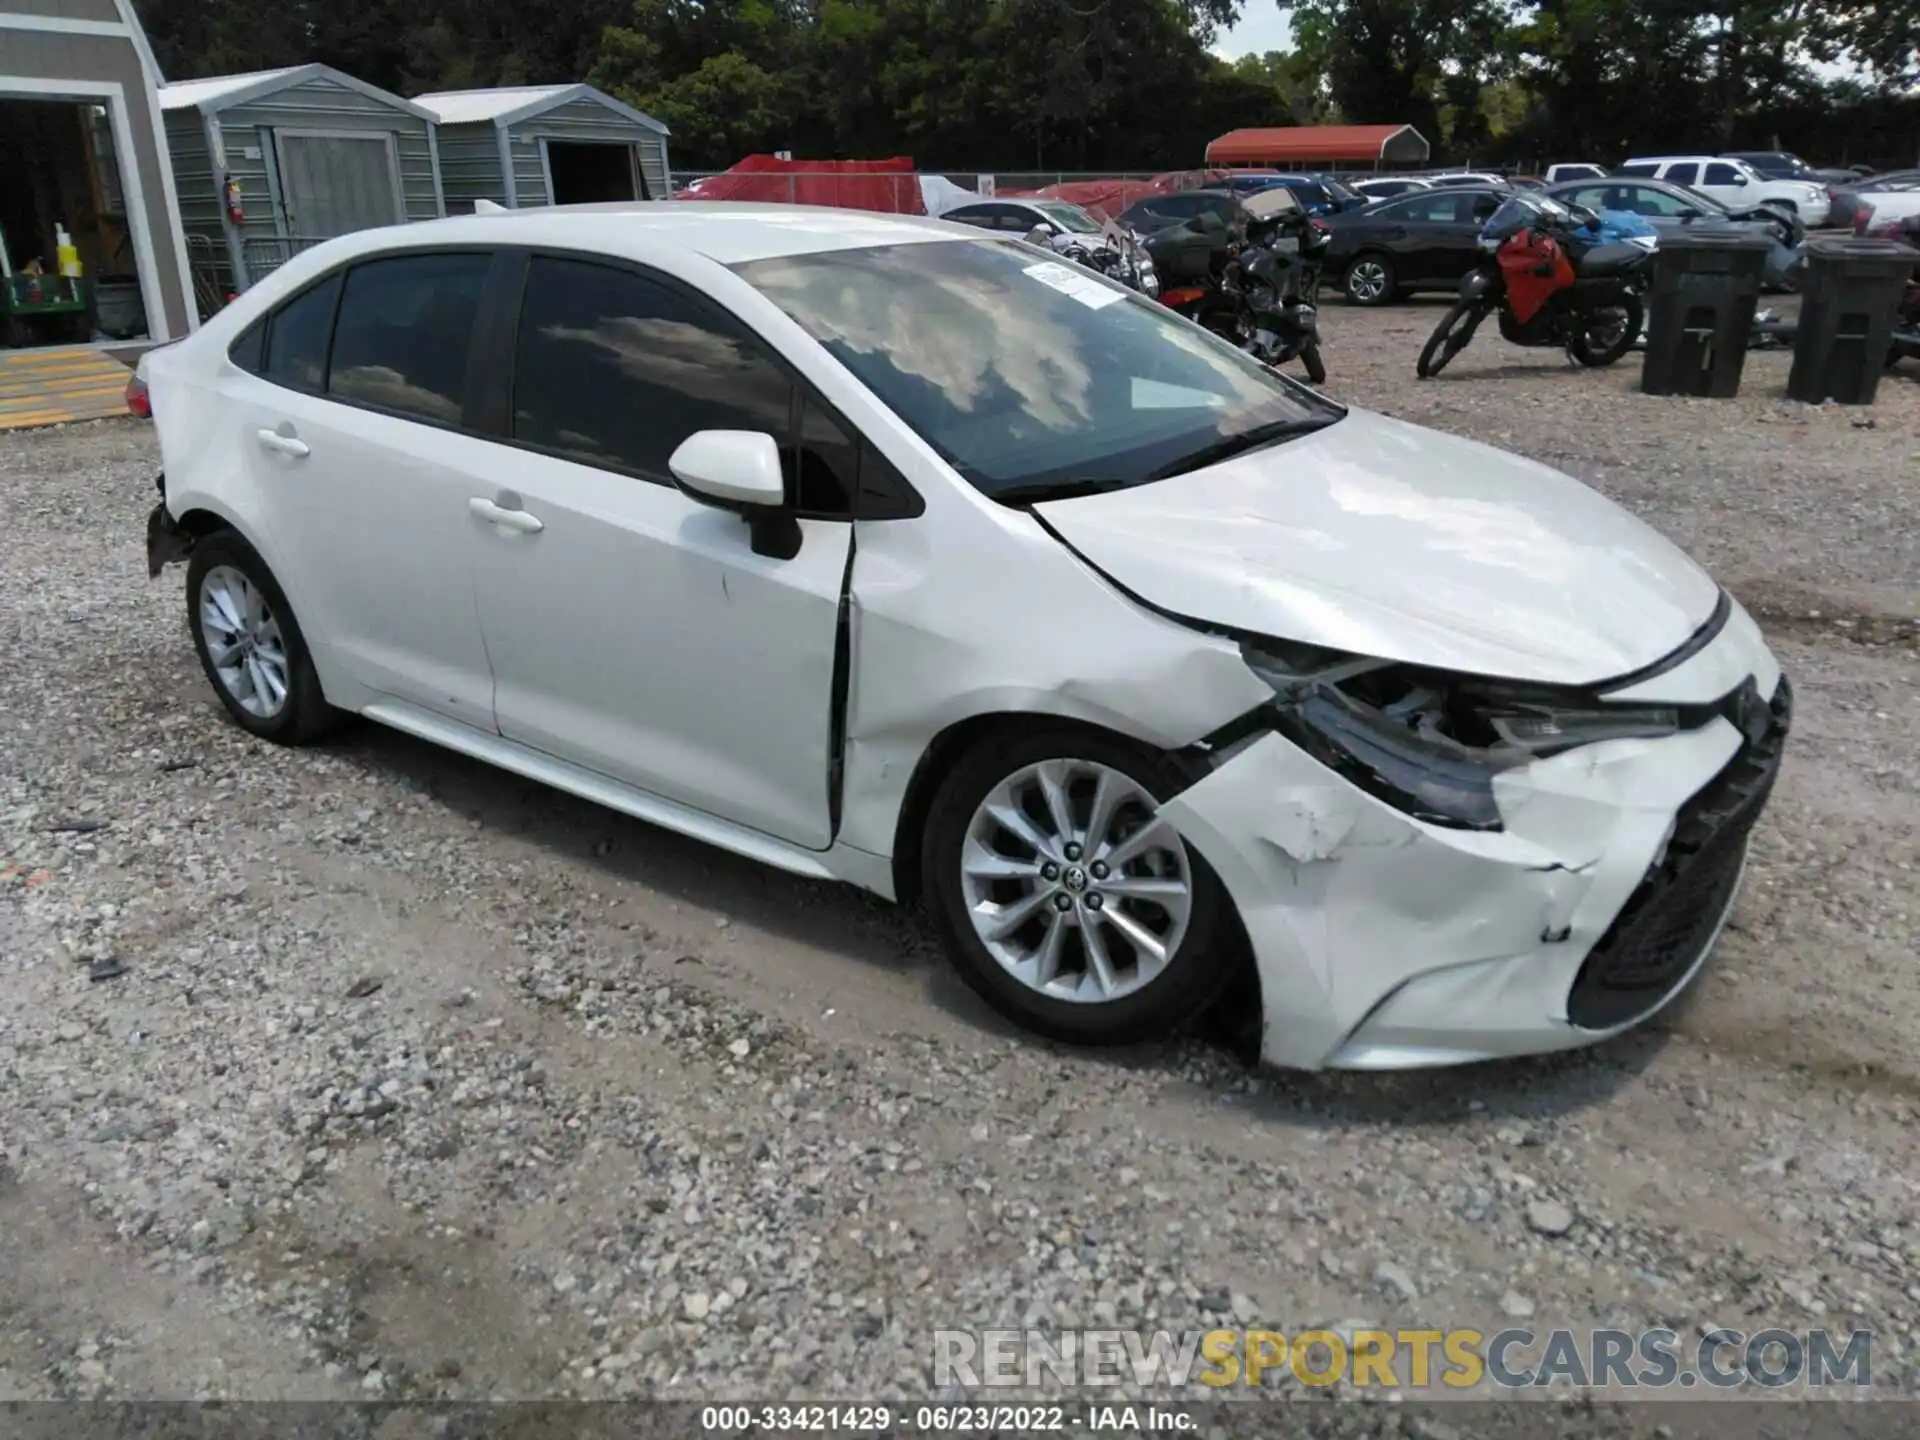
(1427, 742)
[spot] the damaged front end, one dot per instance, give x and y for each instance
(167, 542)
(1435, 868)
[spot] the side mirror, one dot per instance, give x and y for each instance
(1039, 235)
(739, 471)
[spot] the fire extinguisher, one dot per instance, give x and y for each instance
(235, 212)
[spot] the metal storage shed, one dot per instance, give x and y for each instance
(81, 144)
(546, 145)
(272, 162)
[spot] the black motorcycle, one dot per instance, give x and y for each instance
(1251, 282)
(1277, 274)
(1555, 278)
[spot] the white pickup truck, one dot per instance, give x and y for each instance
(1734, 183)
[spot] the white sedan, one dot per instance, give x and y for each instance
(886, 551)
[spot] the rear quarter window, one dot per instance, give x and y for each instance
(298, 336)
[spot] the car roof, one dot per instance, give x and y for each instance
(727, 231)
(1677, 159)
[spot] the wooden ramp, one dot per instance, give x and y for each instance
(60, 383)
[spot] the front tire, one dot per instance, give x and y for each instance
(1067, 903)
(1449, 337)
(250, 645)
(1599, 346)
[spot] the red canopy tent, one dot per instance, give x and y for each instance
(888, 186)
(1320, 145)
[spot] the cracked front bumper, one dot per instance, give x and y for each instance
(1383, 942)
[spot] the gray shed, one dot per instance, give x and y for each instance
(81, 148)
(269, 163)
(546, 145)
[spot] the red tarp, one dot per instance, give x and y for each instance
(889, 186)
(1302, 144)
(1105, 199)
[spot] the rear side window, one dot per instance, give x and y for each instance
(1683, 174)
(1644, 172)
(404, 334)
(297, 337)
(615, 370)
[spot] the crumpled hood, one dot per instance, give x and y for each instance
(1387, 539)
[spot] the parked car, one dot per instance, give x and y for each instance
(1670, 207)
(1318, 194)
(1387, 186)
(1734, 183)
(1883, 199)
(1558, 174)
(575, 492)
(1468, 177)
(1426, 240)
(1157, 212)
(1774, 164)
(1022, 217)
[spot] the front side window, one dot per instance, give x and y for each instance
(1026, 373)
(297, 337)
(1722, 175)
(404, 334)
(614, 369)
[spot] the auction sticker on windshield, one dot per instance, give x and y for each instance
(1074, 283)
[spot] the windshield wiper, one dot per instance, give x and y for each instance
(1228, 446)
(1040, 490)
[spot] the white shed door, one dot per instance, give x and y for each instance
(335, 184)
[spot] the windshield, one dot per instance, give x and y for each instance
(1524, 210)
(1069, 217)
(1024, 373)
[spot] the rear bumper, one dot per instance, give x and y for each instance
(166, 541)
(1385, 943)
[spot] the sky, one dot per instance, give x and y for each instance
(1262, 26)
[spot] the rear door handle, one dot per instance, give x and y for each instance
(516, 520)
(280, 444)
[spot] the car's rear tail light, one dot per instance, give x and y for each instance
(139, 398)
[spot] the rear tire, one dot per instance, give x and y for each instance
(1584, 348)
(1089, 927)
(250, 645)
(1316, 367)
(1449, 338)
(1370, 279)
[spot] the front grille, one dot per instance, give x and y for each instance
(1659, 933)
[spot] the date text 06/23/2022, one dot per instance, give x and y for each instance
(938, 1419)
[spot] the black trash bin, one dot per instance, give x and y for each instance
(1706, 284)
(1850, 298)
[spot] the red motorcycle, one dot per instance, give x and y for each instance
(1554, 279)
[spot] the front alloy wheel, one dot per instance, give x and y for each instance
(1070, 903)
(1073, 882)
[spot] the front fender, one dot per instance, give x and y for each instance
(1475, 284)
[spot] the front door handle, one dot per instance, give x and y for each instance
(516, 520)
(281, 444)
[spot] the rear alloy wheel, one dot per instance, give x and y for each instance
(1070, 904)
(250, 645)
(1370, 280)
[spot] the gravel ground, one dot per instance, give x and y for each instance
(366, 1071)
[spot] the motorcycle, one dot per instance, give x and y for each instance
(1277, 274)
(1252, 283)
(1557, 277)
(1114, 251)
